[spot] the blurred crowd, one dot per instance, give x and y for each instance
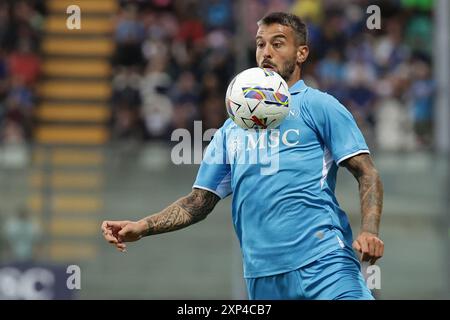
(20, 31)
(384, 77)
(174, 60)
(172, 66)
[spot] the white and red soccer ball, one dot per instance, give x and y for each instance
(258, 98)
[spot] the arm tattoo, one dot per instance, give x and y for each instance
(370, 191)
(183, 212)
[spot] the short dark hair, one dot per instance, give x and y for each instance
(288, 20)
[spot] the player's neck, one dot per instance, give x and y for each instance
(295, 76)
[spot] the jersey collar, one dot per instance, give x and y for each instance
(298, 87)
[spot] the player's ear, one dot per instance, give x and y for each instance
(302, 53)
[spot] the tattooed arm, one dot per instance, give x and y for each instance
(371, 198)
(180, 214)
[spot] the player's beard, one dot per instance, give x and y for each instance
(288, 69)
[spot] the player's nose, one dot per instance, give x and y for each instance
(267, 53)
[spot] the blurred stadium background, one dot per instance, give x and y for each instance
(86, 118)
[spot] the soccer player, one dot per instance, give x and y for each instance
(298, 243)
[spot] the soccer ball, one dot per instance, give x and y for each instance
(257, 98)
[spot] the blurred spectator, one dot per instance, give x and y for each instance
(186, 89)
(419, 31)
(331, 73)
(126, 104)
(218, 14)
(157, 108)
(213, 112)
(20, 31)
(310, 10)
(393, 126)
(158, 114)
(389, 50)
(156, 79)
(191, 28)
(5, 20)
(20, 104)
(129, 37)
(22, 234)
(421, 94)
(24, 63)
(4, 77)
(12, 133)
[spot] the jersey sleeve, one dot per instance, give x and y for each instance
(336, 127)
(214, 173)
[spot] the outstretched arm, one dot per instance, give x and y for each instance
(371, 198)
(180, 214)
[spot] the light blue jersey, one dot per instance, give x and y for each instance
(285, 212)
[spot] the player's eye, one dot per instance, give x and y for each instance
(260, 45)
(277, 45)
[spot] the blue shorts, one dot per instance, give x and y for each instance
(336, 276)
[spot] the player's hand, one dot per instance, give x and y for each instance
(119, 232)
(370, 247)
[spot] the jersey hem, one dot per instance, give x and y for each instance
(290, 268)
